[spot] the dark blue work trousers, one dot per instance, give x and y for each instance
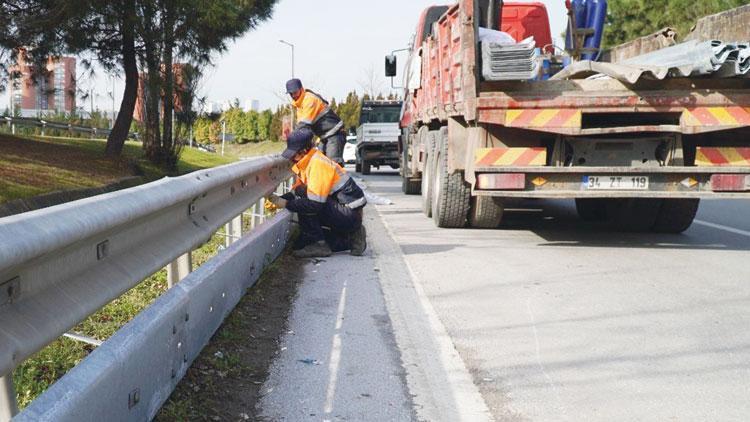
(333, 147)
(334, 223)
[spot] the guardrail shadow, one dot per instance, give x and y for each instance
(559, 225)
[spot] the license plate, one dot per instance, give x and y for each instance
(615, 182)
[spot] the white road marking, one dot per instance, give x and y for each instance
(722, 227)
(334, 363)
(538, 357)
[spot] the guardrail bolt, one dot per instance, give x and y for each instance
(10, 290)
(102, 250)
(133, 398)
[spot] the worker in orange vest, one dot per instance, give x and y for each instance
(323, 195)
(314, 112)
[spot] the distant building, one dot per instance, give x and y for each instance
(55, 93)
(212, 107)
(251, 105)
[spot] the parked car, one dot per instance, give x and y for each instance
(350, 149)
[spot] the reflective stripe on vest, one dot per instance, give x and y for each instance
(310, 108)
(321, 175)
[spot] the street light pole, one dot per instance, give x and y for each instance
(290, 45)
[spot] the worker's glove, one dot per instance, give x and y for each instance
(276, 200)
(269, 206)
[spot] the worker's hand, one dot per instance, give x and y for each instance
(276, 200)
(269, 206)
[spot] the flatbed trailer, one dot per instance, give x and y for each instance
(639, 154)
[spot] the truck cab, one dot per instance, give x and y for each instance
(377, 135)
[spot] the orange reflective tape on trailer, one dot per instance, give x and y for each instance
(521, 157)
(716, 116)
(722, 156)
(543, 118)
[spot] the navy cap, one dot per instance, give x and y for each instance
(293, 85)
(296, 141)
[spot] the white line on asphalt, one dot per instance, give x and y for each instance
(333, 365)
(721, 227)
(539, 357)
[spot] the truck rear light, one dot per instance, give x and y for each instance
(730, 182)
(505, 181)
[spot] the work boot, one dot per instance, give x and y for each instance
(313, 250)
(359, 241)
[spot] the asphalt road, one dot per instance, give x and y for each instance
(545, 319)
(558, 319)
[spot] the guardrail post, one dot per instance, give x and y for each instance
(233, 230)
(179, 269)
(255, 213)
(8, 405)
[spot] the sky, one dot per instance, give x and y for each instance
(338, 46)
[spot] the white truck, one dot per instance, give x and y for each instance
(377, 135)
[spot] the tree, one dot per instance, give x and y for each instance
(120, 34)
(264, 125)
(349, 110)
(630, 19)
(371, 81)
(103, 30)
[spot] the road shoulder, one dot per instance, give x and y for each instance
(441, 386)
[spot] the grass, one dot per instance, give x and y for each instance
(35, 165)
(252, 149)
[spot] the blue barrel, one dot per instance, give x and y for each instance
(596, 11)
(579, 11)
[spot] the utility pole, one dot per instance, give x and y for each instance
(223, 134)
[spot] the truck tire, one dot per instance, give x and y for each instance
(591, 209)
(365, 167)
(426, 187)
(676, 215)
(409, 185)
(486, 212)
(633, 214)
(450, 194)
(357, 166)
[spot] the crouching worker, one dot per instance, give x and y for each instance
(327, 201)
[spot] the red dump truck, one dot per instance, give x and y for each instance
(637, 151)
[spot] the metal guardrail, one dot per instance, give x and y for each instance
(59, 265)
(45, 124)
(133, 373)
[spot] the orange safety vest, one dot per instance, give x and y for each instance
(313, 111)
(310, 107)
(320, 174)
